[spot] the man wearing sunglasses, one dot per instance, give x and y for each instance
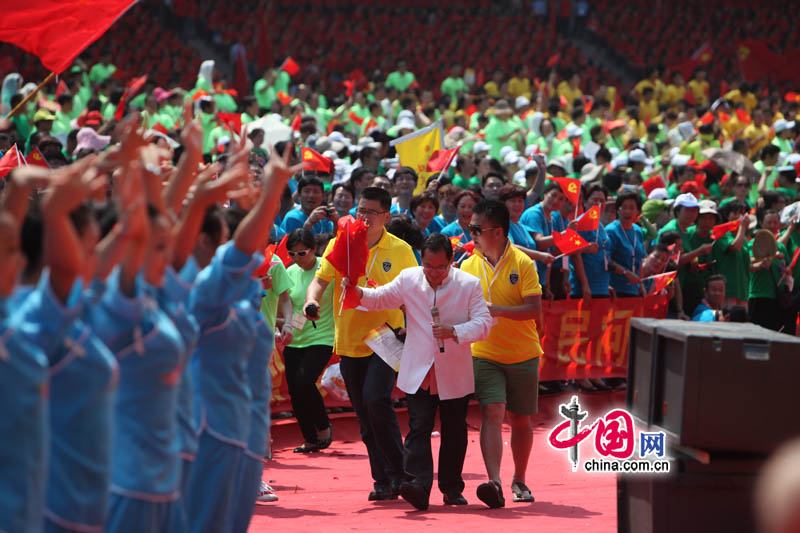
(436, 366)
(506, 364)
(368, 379)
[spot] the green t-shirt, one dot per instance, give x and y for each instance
(792, 246)
(280, 284)
(460, 182)
(735, 266)
(695, 280)
(399, 81)
(672, 225)
(282, 81)
(264, 94)
(763, 282)
(452, 86)
(101, 72)
(309, 336)
(494, 131)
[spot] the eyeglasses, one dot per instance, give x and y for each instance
(477, 230)
(300, 253)
(438, 268)
(368, 212)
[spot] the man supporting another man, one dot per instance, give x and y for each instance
(506, 364)
(445, 312)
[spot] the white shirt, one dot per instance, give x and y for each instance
(461, 304)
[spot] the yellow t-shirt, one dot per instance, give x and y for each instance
(648, 110)
(385, 261)
(564, 89)
(519, 87)
(753, 132)
(491, 89)
(513, 278)
(699, 91)
(674, 93)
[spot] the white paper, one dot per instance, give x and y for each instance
(298, 321)
(386, 345)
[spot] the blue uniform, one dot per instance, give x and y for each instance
(454, 230)
(535, 219)
(296, 218)
(27, 338)
(627, 250)
(397, 210)
(83, 380)
(595, 265)
(145, 468)
(248, 480)
(219, 303)
(521, 236)
(437, 224)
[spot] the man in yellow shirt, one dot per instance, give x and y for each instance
(699, 87)
(368, 379)
(506, 364)
(648, 105)
(569, 89)
(756, 133)
(520, 85)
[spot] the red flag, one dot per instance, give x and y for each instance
(119, 112)
(660, 281)
(562, 100)
(297, 121)
(794, 259)
(291, 67)
(10, 160)
(263, 269)
(571, 188)
(61, 89)
(313, 160)
(36, 158)
(469, 247)
(721, 229)
(371, 124)
(553, 61)
(283, 98)
(792, 97)
(576, 147)
(590, 220)
(355, 118)
(441, 159)
(708, 118)
(653, 183)
(569, 241)
(57, 32)
(233, 120)
(743, 116)
(282, 252)
(455, 241)
(349, 253)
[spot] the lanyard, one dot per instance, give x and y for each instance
(494, 271)
(633, 246)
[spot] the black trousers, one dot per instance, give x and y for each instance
(765, 313)
(304, 366)
(369, 382)
(418, 459)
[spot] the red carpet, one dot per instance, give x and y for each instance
(327, 491)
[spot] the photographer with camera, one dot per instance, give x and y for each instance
(312, 214)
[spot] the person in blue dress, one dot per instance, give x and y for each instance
(627, 246)
(465, 201)
(589, 275)
(423, 208)
(312, 213)
(219, 301)
(543, 219)
(520, 236)
(405, 181)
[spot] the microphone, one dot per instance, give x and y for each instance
(435, 315)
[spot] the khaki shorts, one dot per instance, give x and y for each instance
(516, 385)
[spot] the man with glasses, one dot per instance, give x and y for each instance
(506, 364)
(445, 312)
(368, 379)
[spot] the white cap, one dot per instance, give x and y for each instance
(480, 146)
(792, 159)
(338, 136)
(511, 158)
(638, 156)
(330, 154)
(406, 123)
(505, 150)
(531, 149)
(521, 101)
(782, 125)
(519, 178)
(679, 160)
(405, 113)
(659, 193)
(614, 151)
(574, 130)
(686, 199)
(619, 161)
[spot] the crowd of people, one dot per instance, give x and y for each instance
(140, 305)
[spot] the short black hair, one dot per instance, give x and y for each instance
(495, 212)
(301, 236)
(212, 223)
(379, 195)
(736, 313)
(436, 242)
(405, 170)
(358, 173)
(716, 277)
(770, 150)
(492, 174)
(305, 181)
(670, 237)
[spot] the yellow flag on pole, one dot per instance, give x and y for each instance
(415, 149)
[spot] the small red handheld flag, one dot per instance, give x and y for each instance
(283, 252)
(36, 158)
(440, 159)
(721, 229)
(291, 67)
(794, 259)
(569, 241)
(10, 160)
(313, 160)
(590, 220)
(571, 188)
(660, 281)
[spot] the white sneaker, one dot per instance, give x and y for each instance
(267, 494)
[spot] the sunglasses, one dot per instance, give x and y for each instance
(300, 253)
(368, 212)
(477, 230)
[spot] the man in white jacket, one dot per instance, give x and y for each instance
(436, 365)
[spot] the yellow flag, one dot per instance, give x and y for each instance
(415, 149)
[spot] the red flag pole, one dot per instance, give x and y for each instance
(31, 95)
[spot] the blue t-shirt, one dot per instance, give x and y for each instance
(535, 220)
(149, 350)
(454, 230)
(222, 392)
(703, 313)
(258, 375)
(521, 236)
(296, 218)
(437, 224)
(397, 210)
(627, 250)
(595, 265)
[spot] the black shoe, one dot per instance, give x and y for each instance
(324, 443)
(382, 493)
(453, 497)
(414, 494)
(306, 448)
(491, 493)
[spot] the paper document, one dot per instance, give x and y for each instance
(386, 345)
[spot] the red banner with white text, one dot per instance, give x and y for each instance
(581, 339)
